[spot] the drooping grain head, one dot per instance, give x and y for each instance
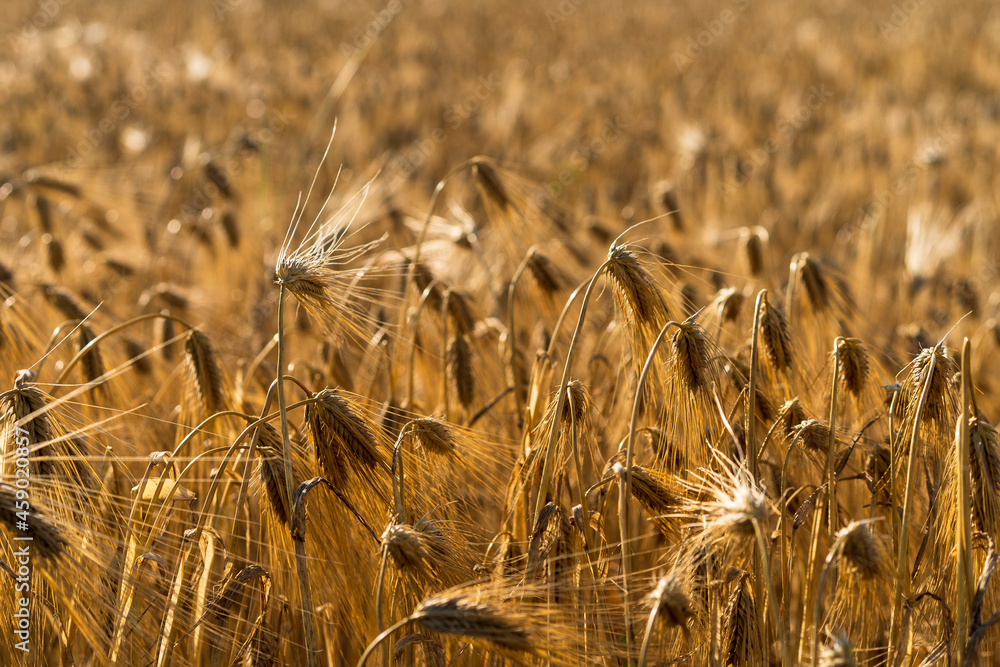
(775, 338)
(271, 472)
(740, 640)
(204, 380)
(459, 312)
(728, 504)
(165, 332)
(66, 302)
(816, 284)
(752, 247)
(853, 365)
(546, 534)
(653, 491)
(939, 402)
(460, 369)
(433, 436)
(549, 278)
(92, 361)
(813, 434)
(491, 186)
(424, 278)
(984, 462)
(792, 414)
(636, 292)
(859, 552)
(343, 440)
(54, 253)
(47, 540)
(690, 355)
(27, 399)
(222, 605)
(670, 602)
(729, 303)
(406, 546)
(461, 614)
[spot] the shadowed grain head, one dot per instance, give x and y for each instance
(549, 278)
(490, 184)
(859, 552)
(690, 355)
(204, 381)
(939, 400)
(775, 337)
(460, 371)
(670, 603)
(984, 462)
(853, 364)
(740, 641)
(433, 435)
(46, 539)
(813, 434)
(461, 614)
(342, 438)
(635, 290)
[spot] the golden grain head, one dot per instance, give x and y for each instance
(776, 339)
(460, 613)
(817, 287)
(859, 551)
(433, 435)
(690, 355)
(813, 434)
(853, 364)
(46, 538)
(752, 247)
(636, 292)
(491, 185)
(342, 438)
(459, 312)
(460, 369)
(740, 643)
(204, 379)
(984, 464)
(940, 399)
(670, 602)
(549, 278)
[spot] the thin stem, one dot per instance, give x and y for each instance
(831, 488)
(626, 560)
(302, 568)
(561, 396)
(625, 526)
(382, 637)
(379, 590)
(786, 574)
(650, 624)
(752, 386)
(771, 598)
(901, 570)
(964, 500)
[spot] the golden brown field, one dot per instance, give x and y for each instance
(716, 281)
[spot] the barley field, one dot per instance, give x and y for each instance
(453, 334)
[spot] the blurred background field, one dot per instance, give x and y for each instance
(842, 156)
